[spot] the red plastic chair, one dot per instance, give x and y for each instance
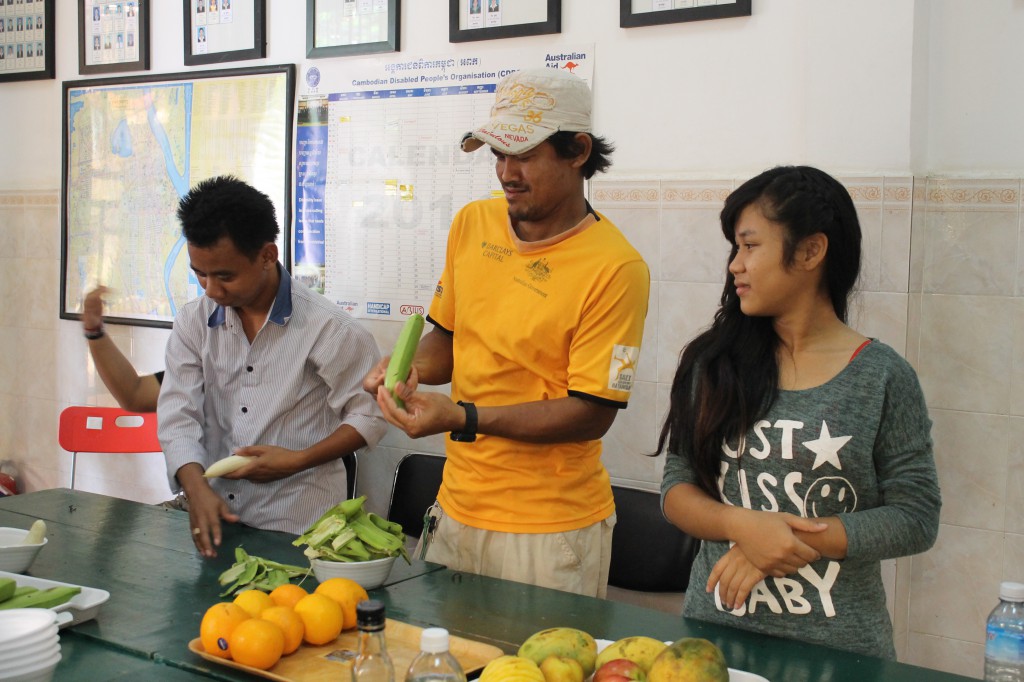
(106, 430)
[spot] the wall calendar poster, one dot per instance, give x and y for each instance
(379, 173)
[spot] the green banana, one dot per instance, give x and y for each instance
(372, 536)
(7, 588)
(392, 527)
(42, 599)
(24, 589)
(355, 550)
(401, 357)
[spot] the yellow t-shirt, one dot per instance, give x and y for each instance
(536, 321)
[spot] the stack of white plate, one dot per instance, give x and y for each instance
(29, 645)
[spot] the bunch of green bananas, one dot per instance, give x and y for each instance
(347, 532)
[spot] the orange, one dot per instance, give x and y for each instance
(346, 592)
(287, 594)
(254, 601)
(290, 623)
(257, 643)
(219, 621)
(322, 618)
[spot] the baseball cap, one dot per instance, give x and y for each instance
(530, 106)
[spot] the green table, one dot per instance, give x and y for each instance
(144, 557)
(504, 613)
(159, 589)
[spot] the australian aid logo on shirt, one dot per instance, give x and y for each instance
(622, 368)
(818, 491)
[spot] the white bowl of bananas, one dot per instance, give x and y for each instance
(349, 542)
(369, 574)
(19, 548)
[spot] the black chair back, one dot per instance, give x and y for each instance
(648, 553)
(351, 468)
(417, 480)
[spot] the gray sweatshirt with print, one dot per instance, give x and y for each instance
(858, 448)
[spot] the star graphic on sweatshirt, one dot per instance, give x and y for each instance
(826, 448)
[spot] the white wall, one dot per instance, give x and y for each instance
(976, 95)
(818, 81)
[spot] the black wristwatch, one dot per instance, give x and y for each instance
(468, 432)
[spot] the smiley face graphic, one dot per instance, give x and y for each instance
(829, 496)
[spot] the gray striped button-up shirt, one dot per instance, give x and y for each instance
(299, 380)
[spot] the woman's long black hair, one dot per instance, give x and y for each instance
(728, 376)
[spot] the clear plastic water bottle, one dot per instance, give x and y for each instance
(1004, 636)
(434, 662)
(372, 664)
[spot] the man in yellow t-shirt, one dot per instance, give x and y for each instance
(538, 319)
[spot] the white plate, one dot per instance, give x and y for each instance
(734, 675)
(82, 607)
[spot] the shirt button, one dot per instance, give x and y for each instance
(244, 410)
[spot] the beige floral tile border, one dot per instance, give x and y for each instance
(942, 194)
(638, 193)
(893, 192)
(697, 194)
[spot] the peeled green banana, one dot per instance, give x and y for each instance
(226, 466)
(36, 534)
(401, 357)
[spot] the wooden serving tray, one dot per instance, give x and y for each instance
(332, 661)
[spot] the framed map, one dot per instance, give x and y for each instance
(132, 148)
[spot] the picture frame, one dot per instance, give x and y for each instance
(113, 37)
(695, 10)
(332, 29)
(522, 18)
(218, 31)
(27, 53)
(124, 174)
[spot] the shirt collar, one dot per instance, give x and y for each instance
(280, 312)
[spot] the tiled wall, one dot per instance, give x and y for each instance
(941, 281)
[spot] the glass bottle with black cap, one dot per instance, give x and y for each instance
(372, 664)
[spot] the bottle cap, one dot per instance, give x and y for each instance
(1011, 591)
(370, 614)
(434, 640)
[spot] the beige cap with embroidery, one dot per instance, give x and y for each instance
(530, 106)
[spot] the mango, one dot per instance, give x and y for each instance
(640, 650)
(561, 669)
(562, 642)
(511, 669)
(690, 659)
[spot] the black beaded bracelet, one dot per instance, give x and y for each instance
(93, 334)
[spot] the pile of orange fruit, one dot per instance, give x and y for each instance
(257, 628)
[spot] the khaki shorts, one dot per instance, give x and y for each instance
(574, 561)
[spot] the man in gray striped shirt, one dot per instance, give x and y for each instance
(263, 367)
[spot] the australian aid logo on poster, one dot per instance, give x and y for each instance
(379, 173)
